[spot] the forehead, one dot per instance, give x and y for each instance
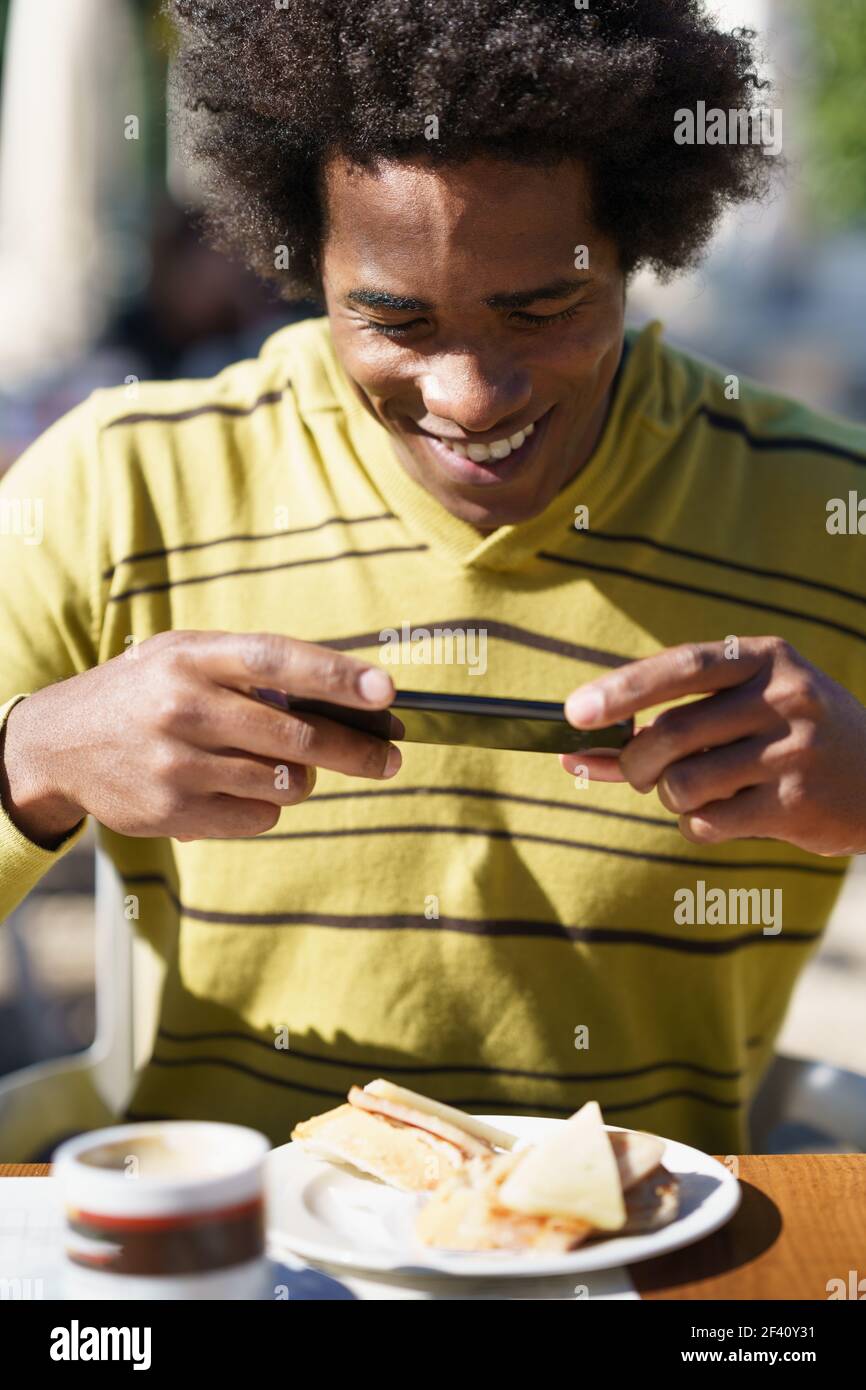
(469, 222)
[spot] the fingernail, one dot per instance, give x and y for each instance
(393, 763)
(374, 685)
(272, 697)
(585, 707)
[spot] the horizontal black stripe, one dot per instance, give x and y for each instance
(619, 1108)
(142, 555)
(378, 1068)
(700, 557)
(245, 1070)
(779, 443)
(696, 590)
(264, 569)
(608, 1107)
(143, 417)
(500, 927)
(482, 794)
(507, 632)
(525, 837)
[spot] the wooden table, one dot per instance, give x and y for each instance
(802, 1222)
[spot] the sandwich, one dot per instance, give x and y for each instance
(579, 1183)
(404, 1139)
(482, 1189)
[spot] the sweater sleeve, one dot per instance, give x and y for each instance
(50, 565)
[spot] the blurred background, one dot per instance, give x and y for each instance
(104, 279)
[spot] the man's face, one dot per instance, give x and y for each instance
(460, 318)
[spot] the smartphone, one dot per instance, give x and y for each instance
(470, 721)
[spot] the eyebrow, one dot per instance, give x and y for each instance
(512, 299)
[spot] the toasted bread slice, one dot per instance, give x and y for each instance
(398, 1154)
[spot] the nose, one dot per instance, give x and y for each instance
(473, 392)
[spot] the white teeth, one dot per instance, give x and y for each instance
(482, 453)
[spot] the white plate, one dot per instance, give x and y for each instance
(325, 1213)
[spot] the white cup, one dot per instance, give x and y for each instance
(179, 1199)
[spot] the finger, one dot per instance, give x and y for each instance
(677, 733)
(597, 767)
(235, 723)
(715, 776)
(696, 668)
(250, 659)
(749, 815)
(258, 779)
(222, 818)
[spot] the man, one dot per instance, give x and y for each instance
(466, 440)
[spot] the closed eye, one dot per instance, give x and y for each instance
(392, 330)
(397, 330)
(525, 317)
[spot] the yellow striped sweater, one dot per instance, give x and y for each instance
(479, 928)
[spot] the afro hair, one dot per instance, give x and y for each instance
(263, 92)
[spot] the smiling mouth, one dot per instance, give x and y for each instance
(495, 461)
(498, 449)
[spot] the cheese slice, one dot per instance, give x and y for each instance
(388, 1091)
(571, 1173)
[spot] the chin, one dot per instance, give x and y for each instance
(490, 517)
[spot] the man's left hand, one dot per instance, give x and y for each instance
(776, 751)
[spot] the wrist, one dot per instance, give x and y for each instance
(38, 809)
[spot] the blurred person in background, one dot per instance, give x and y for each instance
(71, 185)
(103, 278)
(72, 199)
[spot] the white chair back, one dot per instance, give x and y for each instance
(42, 1103)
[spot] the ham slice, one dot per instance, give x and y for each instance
(636, 1154)
(468, 1144)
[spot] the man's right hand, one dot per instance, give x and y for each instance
(166, 740)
